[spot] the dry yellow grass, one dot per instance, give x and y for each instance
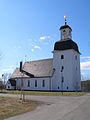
(47, 93)
(13, 106)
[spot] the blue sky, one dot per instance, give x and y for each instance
(29, 29)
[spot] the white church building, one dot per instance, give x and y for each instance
(60, 73)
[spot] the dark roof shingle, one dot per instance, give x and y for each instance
(65, 45)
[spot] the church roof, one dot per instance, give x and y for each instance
(17, 74)
(65, 26)
(65, 45)
(39, 68)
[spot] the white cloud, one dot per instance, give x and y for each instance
(42, 37)
(9, 69)
(85, 65)
(48, 37)
(85, 58)
(37, 47)
(32, 50)
(35, 40)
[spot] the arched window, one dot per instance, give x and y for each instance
(67, 87)
(43, 83)
(28, 83)
(62, 79)
(35, 83)
(75, 57)
(63, 30)
(62, 68)
(62, 56)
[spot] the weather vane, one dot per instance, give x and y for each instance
(65, 20)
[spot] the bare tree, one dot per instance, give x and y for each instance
(1, 85)
(5, 77)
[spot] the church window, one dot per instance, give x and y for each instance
(28, 83)
(62, 68)
(35, 83)
(67, 87)
(62, 56)
(43, 83)
(62, 79)
(75, 57)
(63, 30)
(21, 83)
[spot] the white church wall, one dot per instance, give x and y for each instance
(31, 84)
(65, 35)
(9, 86)
(18, 83)
(76, 69)
(68, 71)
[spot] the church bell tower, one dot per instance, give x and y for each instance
(66, 31)
(66, 62)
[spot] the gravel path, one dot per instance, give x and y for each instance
(57, 108)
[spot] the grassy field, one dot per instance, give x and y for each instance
(12, 106)
(47, 93)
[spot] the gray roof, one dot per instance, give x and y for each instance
(17, 74)
(39, 68)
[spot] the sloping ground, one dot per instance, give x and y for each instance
(58, 108)
(12, 106)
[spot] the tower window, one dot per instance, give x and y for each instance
(35, 83)
(63, 30)
(43, 83)
(28, 83)
(62, 79)
(75, 57)
(62, 68)
(62, 56)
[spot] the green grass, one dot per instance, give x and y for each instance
(38, 93)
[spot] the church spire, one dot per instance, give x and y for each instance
(65, 20)
(66, 31)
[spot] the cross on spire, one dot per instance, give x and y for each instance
(65, 20)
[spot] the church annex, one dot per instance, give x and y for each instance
(60, 73)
